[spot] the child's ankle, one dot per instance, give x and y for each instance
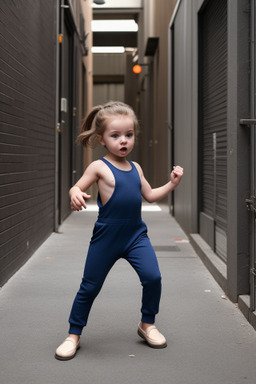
(144, 326)
(75, 337)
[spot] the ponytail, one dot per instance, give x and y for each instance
(88, 133)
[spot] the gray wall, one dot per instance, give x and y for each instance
(27, 135)
(234, 276)
(39, 157)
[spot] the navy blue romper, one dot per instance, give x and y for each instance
(119, 232)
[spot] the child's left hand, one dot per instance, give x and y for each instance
(176, 175)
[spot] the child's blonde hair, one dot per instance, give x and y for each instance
(95, 123)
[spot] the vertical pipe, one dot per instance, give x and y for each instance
(214, 147)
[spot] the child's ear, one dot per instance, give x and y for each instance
(100, 140)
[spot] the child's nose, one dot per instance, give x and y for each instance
(123, 139)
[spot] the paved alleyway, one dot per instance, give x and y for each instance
(209, 340)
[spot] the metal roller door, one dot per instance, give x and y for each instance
(213, 124)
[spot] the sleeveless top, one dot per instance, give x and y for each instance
(125, 201)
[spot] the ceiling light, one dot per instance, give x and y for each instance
(116, 49)
(114, 26)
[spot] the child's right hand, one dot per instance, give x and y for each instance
(77, 198)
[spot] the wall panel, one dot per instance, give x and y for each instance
(27, 132)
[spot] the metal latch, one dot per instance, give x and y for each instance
(247, 121)
(250, 203)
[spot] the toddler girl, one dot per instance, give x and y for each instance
(119, 231)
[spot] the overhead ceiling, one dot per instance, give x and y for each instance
(114, 10)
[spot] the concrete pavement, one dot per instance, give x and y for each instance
(209, 340)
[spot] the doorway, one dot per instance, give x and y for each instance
(213, 126)
(65, 136)
(251, 203)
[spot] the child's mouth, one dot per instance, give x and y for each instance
(123, 150)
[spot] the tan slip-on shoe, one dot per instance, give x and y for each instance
(67, 350)
(153, 337)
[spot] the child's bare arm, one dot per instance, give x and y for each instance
(152, 195)
(77, 192)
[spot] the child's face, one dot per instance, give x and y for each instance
(118, 137)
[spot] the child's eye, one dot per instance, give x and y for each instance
(114, 135)
(129, 135)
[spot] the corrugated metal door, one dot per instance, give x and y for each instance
(213, 125)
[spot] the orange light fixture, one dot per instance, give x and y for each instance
(137, 69)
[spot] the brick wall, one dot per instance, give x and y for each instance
(27, 131)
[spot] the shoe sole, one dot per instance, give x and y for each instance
(66, 358)
(161, 346)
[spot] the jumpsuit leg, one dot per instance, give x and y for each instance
(143, 259)
(97, 266)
